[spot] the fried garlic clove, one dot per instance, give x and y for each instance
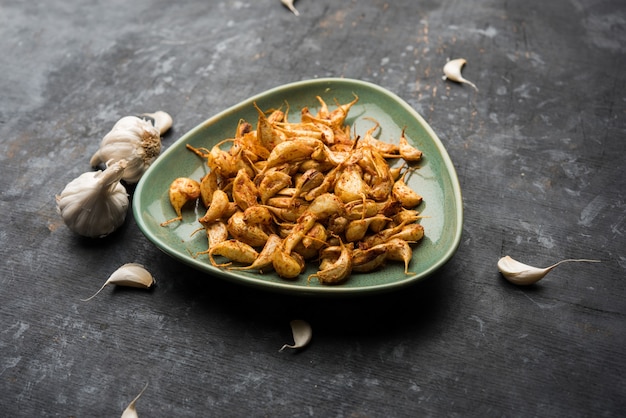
(338, 116)
(302, 334)
(131, 411)
(364, 261)
(404, 194)
(268, 136)
(287, 265)
(407, 151)
(181, 191)
(523, 274)
(130, 275)
(272, 182)
(234, 250)
(338, 270)
(264, 259)
(208, 185)
(452, 71)
(356, 229)
(399, 250)
(216, 232)
(309, 180)
(412, 232)
(243, 231)
(245, 192)
(350, 185)
(218, 207)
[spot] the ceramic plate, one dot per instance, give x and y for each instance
(435, 180)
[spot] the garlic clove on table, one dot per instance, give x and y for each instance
(452, 71)
(130, 275)
(302, 334)
(289, 4)
(131, 409)
(523, 274)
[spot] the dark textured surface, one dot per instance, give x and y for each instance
(539, 152)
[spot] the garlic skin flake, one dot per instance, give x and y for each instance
(95, 203)
(302, 334)
(130, 275)
(452, 71)
(135, 140)
(523, 274)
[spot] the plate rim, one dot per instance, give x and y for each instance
(287, 286)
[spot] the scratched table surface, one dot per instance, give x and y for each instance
(539, 150)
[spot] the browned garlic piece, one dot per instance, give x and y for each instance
(523, 274)
(95, 203)
(452, 71)
(136, 140)
(131, 411)
(302, 334)
(290, 6)
(130, 275)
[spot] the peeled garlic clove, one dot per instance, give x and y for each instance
(302, 334)
(95, 203)
(133, 139)
(162, 120)
(289, 5)
(523, 274)
(452, 71)
(131, 411)
(130, 275)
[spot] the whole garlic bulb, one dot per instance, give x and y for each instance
(135, 140)
(95, 203)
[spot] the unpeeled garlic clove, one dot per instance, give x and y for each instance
(131, 411)
(289, 4)
(162, 120)
(452, 71)
(130, 275)
(523, 274)
(302, 334)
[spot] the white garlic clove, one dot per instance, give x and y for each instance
(302, 334)
(162, 120)
(523, 274)
(95, 203)
(130, 275)
(133, 139)
(290, 6)
(452, 71)
(131, 411)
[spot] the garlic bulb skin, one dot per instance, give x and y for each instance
(134, 140)
(95, 203)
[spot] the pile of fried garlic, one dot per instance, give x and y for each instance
(290, 193)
